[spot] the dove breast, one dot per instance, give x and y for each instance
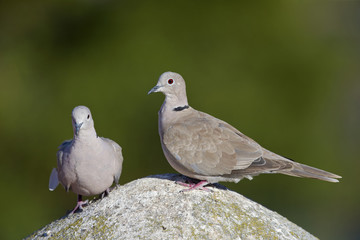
(88, 168)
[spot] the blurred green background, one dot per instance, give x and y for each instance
(286, 73)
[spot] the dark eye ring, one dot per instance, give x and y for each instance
(170, 81)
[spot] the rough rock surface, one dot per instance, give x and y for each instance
(153, 208)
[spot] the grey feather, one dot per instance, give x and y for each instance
(203, 147)
(87, 164)
(53, 181)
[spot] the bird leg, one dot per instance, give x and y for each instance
(191, 186)
(105, 193)
(79, 204)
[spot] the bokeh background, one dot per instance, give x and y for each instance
(286, 73)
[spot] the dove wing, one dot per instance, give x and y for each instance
(118, 157)
(53, 181)
(208, 146)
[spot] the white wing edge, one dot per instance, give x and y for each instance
(53, 181)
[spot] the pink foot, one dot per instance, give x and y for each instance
(191, 186)
(79, 204)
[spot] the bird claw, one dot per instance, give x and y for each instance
(105, 193)
(191, 186)
(79, 205)
(184, 184)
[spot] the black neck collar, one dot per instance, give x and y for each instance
(178, 109)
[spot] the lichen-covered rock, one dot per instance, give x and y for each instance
(153, 208)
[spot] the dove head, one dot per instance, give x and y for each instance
(173, 86)
(82, 120)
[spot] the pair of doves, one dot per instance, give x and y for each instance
(195, 144)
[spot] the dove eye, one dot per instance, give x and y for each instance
(170, 81)
(88, 116)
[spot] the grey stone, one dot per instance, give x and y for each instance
(153, 208)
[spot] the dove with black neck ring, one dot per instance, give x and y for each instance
(208, 149)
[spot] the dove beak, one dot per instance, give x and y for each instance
(154, 89)
(77, 127)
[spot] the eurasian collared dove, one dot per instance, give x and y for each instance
(203, 147)
(87, 164)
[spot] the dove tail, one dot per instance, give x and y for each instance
(302, 170)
